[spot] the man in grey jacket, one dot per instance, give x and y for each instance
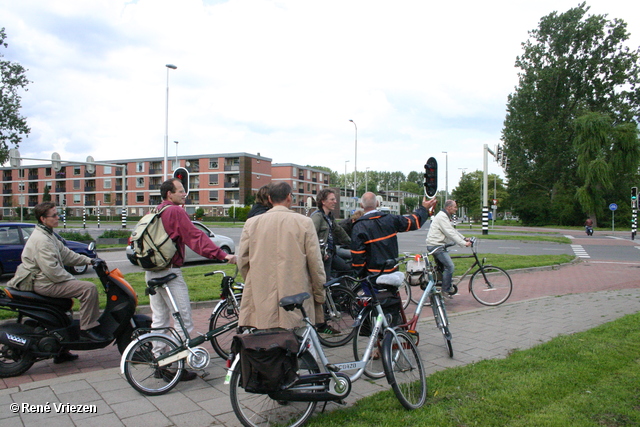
(441, 232)
(42, 270)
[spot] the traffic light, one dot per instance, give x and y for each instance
(634, 197)
(431, 177)
(183, 175)
(499, 154)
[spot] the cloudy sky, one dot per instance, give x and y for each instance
(277, 77)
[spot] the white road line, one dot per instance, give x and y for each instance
(617, 238)
(579, 251)
(569, 237)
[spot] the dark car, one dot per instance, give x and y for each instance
(13, 236)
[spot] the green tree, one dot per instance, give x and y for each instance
(607, 157)
(12, 124)
(572, 64)
(468, 193)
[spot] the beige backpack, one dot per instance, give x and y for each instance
(152, 247)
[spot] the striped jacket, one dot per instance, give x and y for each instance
(374, 238)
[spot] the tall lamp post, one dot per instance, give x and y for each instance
(366, 179)
(355, 164)
(446, 177)
(166, 128)
(345, 177)
(177, 165)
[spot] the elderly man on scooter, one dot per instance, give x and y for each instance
(42, 271)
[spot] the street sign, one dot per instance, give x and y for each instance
(613, 207)
(55, 161)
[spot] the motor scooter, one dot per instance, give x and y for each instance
(589, 230)
(45, 326)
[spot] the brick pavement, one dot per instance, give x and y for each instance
(591, 293)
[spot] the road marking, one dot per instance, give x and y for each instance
(579, 251)
(617, 238)
(569, 237)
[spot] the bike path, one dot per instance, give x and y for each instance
(544, 304)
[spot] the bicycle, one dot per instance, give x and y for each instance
(154, 361)
(341, 308)
(489, 285)
(326, 382)
(432, 294)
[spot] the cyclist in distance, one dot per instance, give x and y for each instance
(442, 232)
(374, 237)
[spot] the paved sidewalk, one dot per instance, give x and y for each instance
(544, 304)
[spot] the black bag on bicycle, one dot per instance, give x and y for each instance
(391, 304)
(268, 360)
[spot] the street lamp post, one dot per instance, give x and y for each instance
(355, 164)
(166, 129)
(345, 177)
(177, 165)
(446, 176)
(366, 179)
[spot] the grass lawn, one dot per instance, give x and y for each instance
(589, 379)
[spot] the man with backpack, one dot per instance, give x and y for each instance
(183, 233)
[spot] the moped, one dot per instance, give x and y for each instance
(45, 327)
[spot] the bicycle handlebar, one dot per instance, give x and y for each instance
(211, 273)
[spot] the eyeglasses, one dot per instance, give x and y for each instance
(52, 216)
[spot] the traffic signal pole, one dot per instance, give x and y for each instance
(634, 211)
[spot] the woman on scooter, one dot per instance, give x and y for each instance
(42, 271)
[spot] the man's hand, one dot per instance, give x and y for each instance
(232, 259)
(469, 243)
(429, 204)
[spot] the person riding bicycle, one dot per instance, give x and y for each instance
(442, 232)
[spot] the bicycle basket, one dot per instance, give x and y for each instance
(416, 272)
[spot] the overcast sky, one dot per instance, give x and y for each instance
(279, 78)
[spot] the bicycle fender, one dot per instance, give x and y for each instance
(133, 342)
(227, 378)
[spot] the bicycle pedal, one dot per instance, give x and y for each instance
(204, 374)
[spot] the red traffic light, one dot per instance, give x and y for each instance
(183, 175)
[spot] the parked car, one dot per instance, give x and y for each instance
(13, 236)
(223, 242)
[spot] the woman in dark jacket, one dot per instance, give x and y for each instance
(262, 202)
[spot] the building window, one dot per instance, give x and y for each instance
(107, 198)
(107, 170)
(47, 171)
(295, 185)
(213, 164)
(213, 196)
(140, 197)
(107, 183)
(76, 198)
(139, 166)
(76, 170)
(139, 182)
(295, 171)
(76, 184)
(213, 179)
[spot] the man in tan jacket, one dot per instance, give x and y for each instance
(279, 255)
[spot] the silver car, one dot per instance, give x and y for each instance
(223, 242)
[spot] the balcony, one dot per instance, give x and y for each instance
(89, 203)
(231, 167)
(61, 188)
(155, 171)
(7, 177)
(33, 177)
(231, 184)
(7, 191)
(89, 188)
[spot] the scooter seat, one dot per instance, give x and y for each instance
(64, 304)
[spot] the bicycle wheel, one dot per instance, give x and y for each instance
(222, 343)
(442, 321)
(340, 311)
(404, 370)
(495, 290)
(405, 294)
(374, 368)
(141, 368)
(259, 410)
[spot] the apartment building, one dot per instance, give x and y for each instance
(216, 183)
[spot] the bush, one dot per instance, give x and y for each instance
(78, 237)
(116, 234)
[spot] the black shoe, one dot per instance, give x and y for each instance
(168, 375)
(65, 356)
(93, 334)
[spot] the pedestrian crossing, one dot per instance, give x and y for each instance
(579, 251)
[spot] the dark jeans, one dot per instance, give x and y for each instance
(447, 274)
(336, 264)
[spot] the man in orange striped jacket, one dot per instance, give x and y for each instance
(374, 235)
